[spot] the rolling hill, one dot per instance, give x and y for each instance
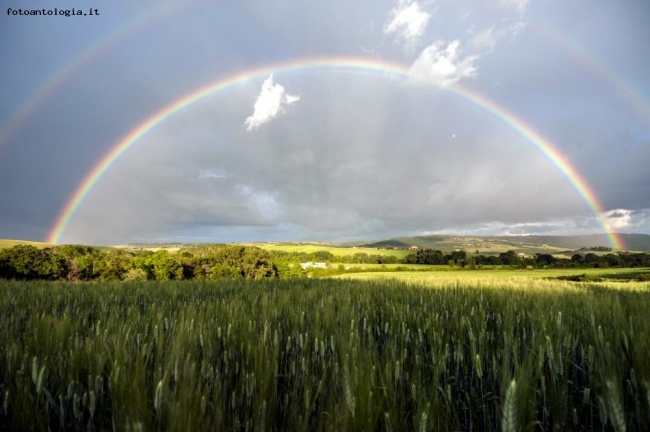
(528, 244)
(7, 243)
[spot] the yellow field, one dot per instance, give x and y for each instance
(380, 267)
(4, 243)
(336, 251)
(151, 249)
(615, 277)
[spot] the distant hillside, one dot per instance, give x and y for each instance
(633, 242)
(497, 244)
(489, 245)
(385, 244)
(4, 243)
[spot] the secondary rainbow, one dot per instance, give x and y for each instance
(337, 63)
(59, 77)
(625, 90)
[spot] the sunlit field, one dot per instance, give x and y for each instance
(477, 353)
(336, 251)
(5, 243)
(443, 274)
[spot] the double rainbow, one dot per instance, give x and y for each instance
(337, 63)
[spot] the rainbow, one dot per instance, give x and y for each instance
(337, 63)
(56, 79)
(624, 90)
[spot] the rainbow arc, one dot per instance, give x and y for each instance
(338, 63)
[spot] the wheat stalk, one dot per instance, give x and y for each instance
(509, 419)
(617, 416)
(39, 381)
(158, 398)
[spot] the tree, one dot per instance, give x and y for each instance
(577, 258)
(220, 271)
(545, 259)
(165, 266)
(289, 270)
(257, 264)
(458, 255)
(322, 256)
(28, 262)
(431, 257)
(509, 258)
(410, 259)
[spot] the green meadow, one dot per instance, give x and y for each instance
(509, 350)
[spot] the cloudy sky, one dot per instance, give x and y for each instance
(334, 153)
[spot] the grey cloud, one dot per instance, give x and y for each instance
(361, 154)
(354, 159)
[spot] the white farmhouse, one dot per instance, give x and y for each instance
(313, 265)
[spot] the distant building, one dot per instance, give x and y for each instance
(414, 248)
(313, 265)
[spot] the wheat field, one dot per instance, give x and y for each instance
(510, 354)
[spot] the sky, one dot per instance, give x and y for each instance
(329, 153)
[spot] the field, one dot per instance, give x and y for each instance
(5, 243)
(383, 267)
(439, 274)
(458, 351)
(334, 250)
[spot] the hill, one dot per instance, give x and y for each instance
(6, 243)
(633, 242)
(488, 245)
(498, 244)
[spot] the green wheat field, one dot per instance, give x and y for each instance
(446, 354)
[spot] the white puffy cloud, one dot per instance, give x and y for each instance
(409, 21)
(269, 104)
(618, 220)
(443, 65)
(630, 220)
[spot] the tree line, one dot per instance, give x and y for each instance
(86, 263)
(539, 260)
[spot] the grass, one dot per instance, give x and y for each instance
(488, 350)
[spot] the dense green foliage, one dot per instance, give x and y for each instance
(85, 263)
(324, 355)
(460, 258)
